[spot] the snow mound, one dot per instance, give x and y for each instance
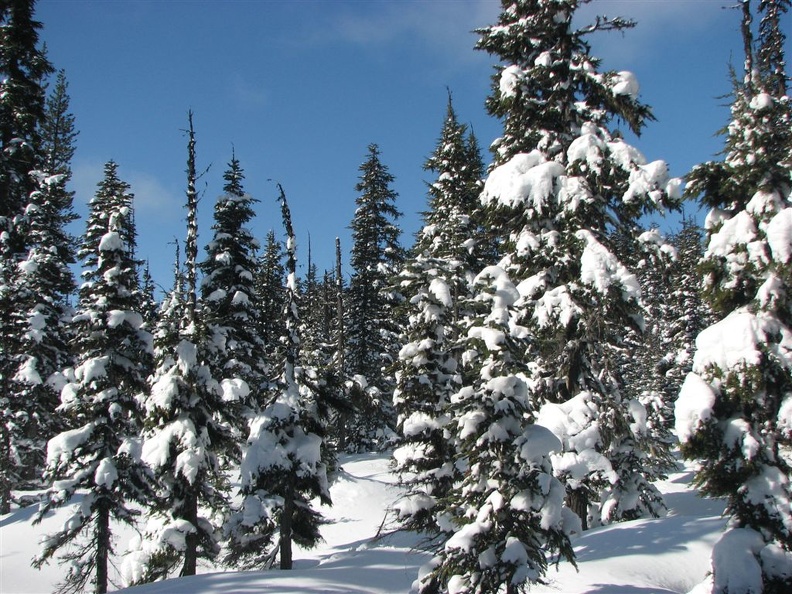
(659, 556)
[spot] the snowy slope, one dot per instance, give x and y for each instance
(646, 556)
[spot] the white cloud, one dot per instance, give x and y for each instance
(658, 24)
(444, 27)
(152, 197)
(247, 93)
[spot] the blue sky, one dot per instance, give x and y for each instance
(300, 88)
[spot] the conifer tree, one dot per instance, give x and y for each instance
(283, 468)
(434, 282)
(98, 452)
(230, 308)
(149, 306)
(270, 284)
(23, 69)
(565, 186)
(504, 519)
(370, 334)
(686, 313)
(733, 411)
(189, 429)
(43, 286)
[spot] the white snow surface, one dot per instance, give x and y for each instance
(667, 555)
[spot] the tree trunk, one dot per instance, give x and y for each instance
(191, 540)
(577, 501)
(287, 515)
(102, 546)
(5, 470)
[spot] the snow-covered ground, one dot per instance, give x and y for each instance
(670, 554)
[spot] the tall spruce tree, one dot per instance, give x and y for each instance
(23, 70)
(230, 304)
(43, 286)
(686, 313)
(283, 468)
(565, 187)
(435, 280)
(733, 411)
(370, 335)
(98, 452)
(189, 429)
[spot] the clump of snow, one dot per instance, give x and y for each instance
(526, 179)
(439, 288)
(779, 235)
(62, 445)
(625, 83)
(111, 242)
(601, 269)
(234, 389)
(735, 565)
(556, 305)
(117, 317)
(27, 372)
(538, 442)
(656, 240)
(693, 407)
(736, 232)
(733, 342)
(106, 474)
(761, 101)
(92, 369)
(510, 80)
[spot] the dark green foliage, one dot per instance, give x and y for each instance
(372, 324)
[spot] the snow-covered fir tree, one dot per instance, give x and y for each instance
(686, 313)
(564, 186)
(189, 428)
(734, 409)
(23, 70)
(434, 282)
(43, 286)
(98, 454)
(284, 465)
(505, 520)
(372, 327)
(642, 357)
(230, 304)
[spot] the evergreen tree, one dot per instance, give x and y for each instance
(565, 187)
(98, 453)
(58, 132)
(434, 281)
(230, 309)
(23, 69)
(733, 411)
(189, 428)
(283, 468)
(370, 334)
(44, 283)
(270, 284)
(149, 306)
(686, 313)
(505, 518)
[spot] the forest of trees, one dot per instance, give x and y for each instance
(533, 361)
